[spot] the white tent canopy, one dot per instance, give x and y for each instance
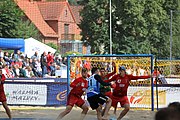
(32, 45)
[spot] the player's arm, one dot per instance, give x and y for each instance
(112, 79)
(139, 77)
(98, 78)
(112, 73)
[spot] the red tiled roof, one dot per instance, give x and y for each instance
(51, 10)
(32, 12)
(76, 12)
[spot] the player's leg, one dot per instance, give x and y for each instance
(101, 99)
(125, 104)
(115, 110)
(81, 103)
(65, 112)
(71, 101)
(94, 104)
(107, 108)
(7, 109)
(124, 111)
(115, 101)
(98, 110)
(108, 94)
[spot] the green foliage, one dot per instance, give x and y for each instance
(71, 53)
(72, 2)
(12, 24)
(52, 45)
(25, 29)
(94, 26)
(138, 26)
(9, 16)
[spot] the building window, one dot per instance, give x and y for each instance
(65, 13)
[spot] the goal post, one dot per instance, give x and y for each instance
(140, 92)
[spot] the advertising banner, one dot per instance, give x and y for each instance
(57, 94)
(26, 94)
(141, 96)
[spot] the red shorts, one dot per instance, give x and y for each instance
(74, 99)
(2, 96)
(123, 100)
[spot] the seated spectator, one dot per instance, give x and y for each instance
(29, 72)
(11, 72)
(2, 62)
(22, 72)
(7, 71)
(16, 70)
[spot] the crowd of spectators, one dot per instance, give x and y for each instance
(18, 65)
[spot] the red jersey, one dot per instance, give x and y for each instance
(3, 78)
(80, 89)
(122, 83)
(49, 59)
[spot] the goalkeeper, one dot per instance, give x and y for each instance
(106, 90)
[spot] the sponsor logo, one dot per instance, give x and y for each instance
(61, 96)
(119, 81)
(144, 97)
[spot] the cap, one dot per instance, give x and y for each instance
(122, 68)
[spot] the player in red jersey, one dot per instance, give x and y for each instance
(79, 86)
(2, 94)
(120, 91)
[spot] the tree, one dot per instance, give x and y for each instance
(9, 16)
(94, 25)
(25, 29)
(73, 2)
(143, 24)
(12, 23)
(53, 46)
(139, 26)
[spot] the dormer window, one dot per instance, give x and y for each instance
(65, 13)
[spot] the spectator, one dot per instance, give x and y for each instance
(29, 72)
(17, 55)
(161, 77)
(16, 70)
(50, 60)
(43, 61)
(11, 72)
(6, 58)
(58, 61)
(35, 56)
(174, 105)
(2, 62)
(172, 112)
